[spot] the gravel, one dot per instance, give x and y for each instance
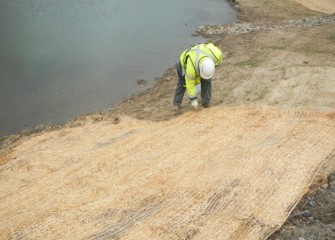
(242, 28)
(313, 218)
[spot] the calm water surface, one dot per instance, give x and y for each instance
(62, 58)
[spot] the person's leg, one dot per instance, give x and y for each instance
(206, 92)
(180, 89)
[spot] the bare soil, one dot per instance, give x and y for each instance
(292, 68)
(325, 6)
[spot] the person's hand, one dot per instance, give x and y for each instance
(194, 103)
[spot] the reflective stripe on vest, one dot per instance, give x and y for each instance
(198, 51)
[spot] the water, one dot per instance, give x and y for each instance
(63, 58)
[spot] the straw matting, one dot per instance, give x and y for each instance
(220, 173)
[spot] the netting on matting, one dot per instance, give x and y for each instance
(221, 173)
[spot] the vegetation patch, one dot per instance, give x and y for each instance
(254, 61)
(282, 44)
(332, 36)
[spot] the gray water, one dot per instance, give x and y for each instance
(63, 58)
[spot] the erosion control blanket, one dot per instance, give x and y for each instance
(221, 173)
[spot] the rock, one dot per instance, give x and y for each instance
(116, 120)
(306, 214)
(142, 82)
(301, 238)
(312, 204)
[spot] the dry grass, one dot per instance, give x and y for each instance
(221, 173)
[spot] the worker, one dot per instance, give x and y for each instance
(195, 71)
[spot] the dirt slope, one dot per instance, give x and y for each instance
(83, 175)
(222, 173)
(325, 6)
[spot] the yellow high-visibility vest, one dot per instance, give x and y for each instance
(190, 61)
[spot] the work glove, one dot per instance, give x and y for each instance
(194, 103)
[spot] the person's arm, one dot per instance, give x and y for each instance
(190, 79)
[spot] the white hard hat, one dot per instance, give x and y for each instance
(207, 68)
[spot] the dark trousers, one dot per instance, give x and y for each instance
(206, 89)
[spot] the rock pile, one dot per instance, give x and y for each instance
(241, 28)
